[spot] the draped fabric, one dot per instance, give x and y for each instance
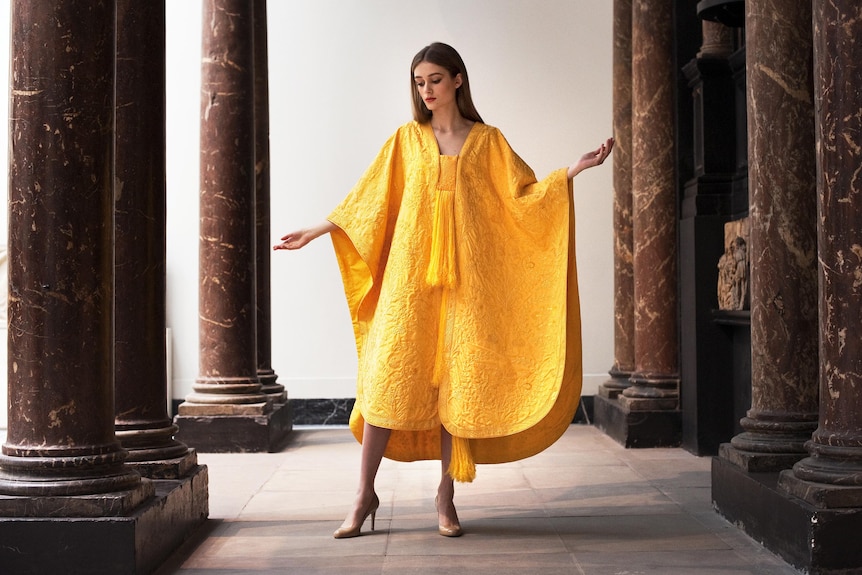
(461, 282)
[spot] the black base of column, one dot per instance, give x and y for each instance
(236, 433)
(637, 428)
(817, 541)
(130, 545)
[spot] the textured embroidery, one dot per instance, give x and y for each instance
(491, 346)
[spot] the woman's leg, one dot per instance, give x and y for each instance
(447, 516)
(374, 440)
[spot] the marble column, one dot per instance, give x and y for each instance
(228, 410)
(61, 441)
(831, 476)
(143, 424)
(655, 381)
(811, 514)
(717, 40)
(624, 361)
(228, 338)
(783, 250)
(265, 372)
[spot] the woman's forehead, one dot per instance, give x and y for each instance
(424, 69)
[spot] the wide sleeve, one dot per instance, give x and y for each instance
(532, 205)
(365, 220)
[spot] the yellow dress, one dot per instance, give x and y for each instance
(461, 282)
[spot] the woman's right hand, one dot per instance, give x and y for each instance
(299, 238)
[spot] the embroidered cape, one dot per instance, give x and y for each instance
(460, 278)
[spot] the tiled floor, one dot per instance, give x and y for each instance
(584, 506)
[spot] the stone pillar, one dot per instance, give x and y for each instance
(228, 340)
(62, 469)
(831, 476)
(812, 515)
(61, 441)
(265, 372)
(142, 422)
(644, 411)
(228, 410)
(655, 381)
(717, 40)
(783, 228)
(624, 361)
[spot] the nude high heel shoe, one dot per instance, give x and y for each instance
(454, 531)
(353, 530)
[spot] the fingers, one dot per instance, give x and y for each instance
(287, 246)
(605, 150)
(289, 241)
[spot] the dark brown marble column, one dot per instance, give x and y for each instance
(142, 421)
(655, 381)
(228, 411)
(832, 474)
(624, 360)
(783, 250)
(61, 439)
(265, 372)
(228, 340)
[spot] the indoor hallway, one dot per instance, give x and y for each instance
(584, 506)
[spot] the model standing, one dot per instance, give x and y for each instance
(459, 270)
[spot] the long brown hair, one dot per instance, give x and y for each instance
(446, 57)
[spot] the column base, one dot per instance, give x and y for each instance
(133, 544)
(758, 462)
(635, 428)
(816, 541)
(174, 468)
(270, 387)
(613, 387)
(236, 433)
(110, 504)
(821, 495)
(649, 403)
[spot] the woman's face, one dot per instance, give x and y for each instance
(435, 85)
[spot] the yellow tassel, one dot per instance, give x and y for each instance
(440, 356)
(441, 267)
(461, 467)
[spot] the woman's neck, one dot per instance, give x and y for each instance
(449, 121)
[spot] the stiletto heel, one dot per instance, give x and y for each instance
(454, 531)
(354, 530)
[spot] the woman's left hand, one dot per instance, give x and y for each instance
(591, 159)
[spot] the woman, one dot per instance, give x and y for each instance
(459, 272)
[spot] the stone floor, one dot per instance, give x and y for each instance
(584, 506)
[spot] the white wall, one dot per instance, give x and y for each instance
(339, 73)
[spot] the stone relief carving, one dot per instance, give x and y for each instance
(733, 267)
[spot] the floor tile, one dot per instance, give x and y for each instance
(492, 536)
(627, 533)
(585, 506)
(545, 564)
(677, 562)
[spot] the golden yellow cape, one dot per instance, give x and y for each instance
(496, 357)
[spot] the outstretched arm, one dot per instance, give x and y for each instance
(299, 238)
(590, 159)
